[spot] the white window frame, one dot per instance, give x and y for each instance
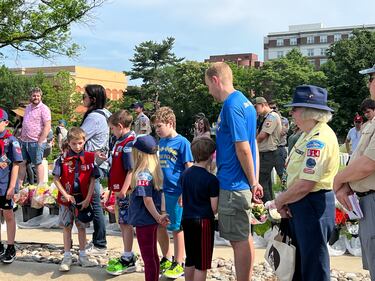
(310, 52)
(337, 37)
(279, 42)
(279, 54)
(310, 39)
(323, 51)
(293, 41)
(323, 39)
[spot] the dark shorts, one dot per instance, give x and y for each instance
(33, 152)
(6, 204)
(122, 210)
(199, 242)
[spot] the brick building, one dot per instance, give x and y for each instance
(245, 60)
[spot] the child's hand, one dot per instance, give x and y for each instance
(3, 165)
(122, 193)
(180, 201)
(101, 155)
(70, 199)
(10, 193)
(163, 220)
(84, 204)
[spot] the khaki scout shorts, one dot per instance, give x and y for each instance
(235, 214)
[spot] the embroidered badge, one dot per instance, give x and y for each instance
(143, 182)
(309, 171)
(310, 163)
(313, 153)
(83, 167)
(315, 144)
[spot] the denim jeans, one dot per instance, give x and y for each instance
(99, 235)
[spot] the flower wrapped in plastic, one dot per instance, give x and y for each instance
(259, 214)
(37, 201)
(22, 198)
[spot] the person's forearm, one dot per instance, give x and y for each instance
(296, 192)
(45, 132)
(127, 182)
(357, 169)
(257, 161)
(59, 186)
(14, 175)
(347, 146)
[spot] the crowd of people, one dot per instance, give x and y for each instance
(177, 186)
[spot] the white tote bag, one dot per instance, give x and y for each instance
(281, 255)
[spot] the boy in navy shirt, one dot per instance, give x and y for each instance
(120, 176)
(200, 191)
(175, 156)
(10, 157)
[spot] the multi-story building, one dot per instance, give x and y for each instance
(245, 60)
(312, 40)
(114, 82)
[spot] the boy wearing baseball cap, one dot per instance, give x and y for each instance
(10, 157)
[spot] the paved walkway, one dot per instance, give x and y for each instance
(44, 271)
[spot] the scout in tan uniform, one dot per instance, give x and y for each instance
(268, 139)
(359, 177)
(142, 122)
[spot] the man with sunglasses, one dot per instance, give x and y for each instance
(359, 177)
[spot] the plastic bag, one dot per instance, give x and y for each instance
(22, 197)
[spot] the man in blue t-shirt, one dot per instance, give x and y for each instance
(236, 160)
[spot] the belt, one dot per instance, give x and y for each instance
(363, 194)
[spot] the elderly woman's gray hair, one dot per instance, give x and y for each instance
(316, 114)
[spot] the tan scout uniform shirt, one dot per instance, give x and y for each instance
(366, 146)
(314, 157)
(142, 123)
(271, 126)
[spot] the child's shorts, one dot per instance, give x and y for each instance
(67, 216)
(174, 210)
(199, 242)
(6, 204)
(122, 210)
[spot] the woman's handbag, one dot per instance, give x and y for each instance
(280, 253)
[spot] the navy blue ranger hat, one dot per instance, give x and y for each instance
(137, 104)
(146, 144)
(84, 215)
(310, 96)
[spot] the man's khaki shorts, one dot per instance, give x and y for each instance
(235, 214)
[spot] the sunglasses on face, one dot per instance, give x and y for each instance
(371, 79)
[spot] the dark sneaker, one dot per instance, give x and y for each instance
(176, 270)
(165, 264)
(121, 266)
(2, 251)
(10, 255)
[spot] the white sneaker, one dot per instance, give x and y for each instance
(95, 251)
(85, 262)
(66, 263)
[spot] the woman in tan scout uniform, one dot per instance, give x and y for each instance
(309, 201)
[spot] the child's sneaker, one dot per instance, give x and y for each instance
(121, 265)
(176, 270)
(66, 263)
(2, 251)
(85, 262)
(10, 255)
(165, 264)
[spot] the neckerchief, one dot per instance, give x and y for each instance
(3, 136)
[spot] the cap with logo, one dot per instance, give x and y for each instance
(358, 119)
(310, 96)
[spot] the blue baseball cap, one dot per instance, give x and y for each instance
(368, 70)
(3, 115)
(62, 121)
(146, 144)
(137, 104)
(310, 96)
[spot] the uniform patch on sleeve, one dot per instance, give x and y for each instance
(127, 149)
(313, 153)
(267, 124)
(143, 182)
(310, 163)
(309, 171)
(315, 144)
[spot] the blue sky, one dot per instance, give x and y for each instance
(201, 27)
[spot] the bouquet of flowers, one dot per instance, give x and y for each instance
(258, 214)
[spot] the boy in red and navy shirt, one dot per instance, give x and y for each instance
(75, 174)
(10, 157)
(120, 175)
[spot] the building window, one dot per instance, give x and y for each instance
(280, 54)
(310, 39)
(312, 62)
(350, 35)
(323, 51)
(280, 42)
(323, 39)
(293, 41)
(337, 37)
(310, 52)
(323, 61)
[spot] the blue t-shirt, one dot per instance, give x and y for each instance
(12, 153)
(173, 154)
(138, 213)
(198, 186)
(236, 123)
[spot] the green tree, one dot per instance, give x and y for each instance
(42, 27)
(346, 86)
(148, 62)
(277, 79)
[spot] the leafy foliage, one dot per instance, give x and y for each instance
(346, 86)
(42, 27)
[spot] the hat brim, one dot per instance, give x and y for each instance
(367, 71)
(19, 111)
(310, 105)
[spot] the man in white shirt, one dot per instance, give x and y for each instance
(354, 134)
